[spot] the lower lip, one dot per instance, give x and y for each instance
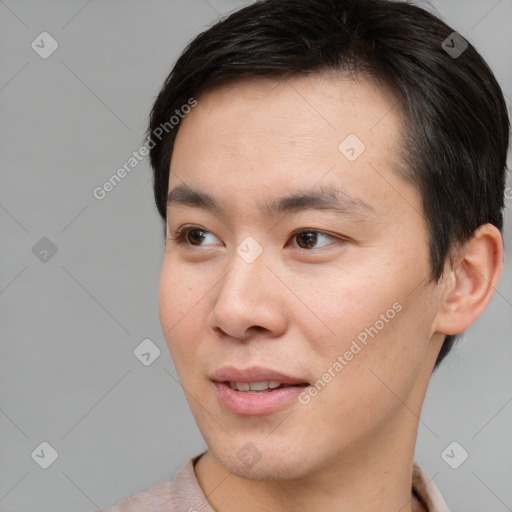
(256, 404)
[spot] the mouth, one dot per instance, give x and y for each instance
(255, 391)
(255, 378)
(264, 386)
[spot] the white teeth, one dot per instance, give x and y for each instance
(259, 386)
(243, 386)
(249, 387)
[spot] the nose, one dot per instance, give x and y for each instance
(249, 301)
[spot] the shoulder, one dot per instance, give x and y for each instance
(155, 499)
(163, 497)
(426, 490)
(182, 493)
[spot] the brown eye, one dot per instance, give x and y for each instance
(312, 239)
(306, 239)
(195, 236)
(187, 235)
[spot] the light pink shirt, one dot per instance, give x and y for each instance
(184, 494)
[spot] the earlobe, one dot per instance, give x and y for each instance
(471, 282)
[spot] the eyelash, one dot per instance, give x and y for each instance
(179, 236)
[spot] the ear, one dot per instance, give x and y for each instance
(471, 281)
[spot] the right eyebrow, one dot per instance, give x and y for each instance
(185, 196)
(322, 198)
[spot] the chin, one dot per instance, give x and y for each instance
(248, 461)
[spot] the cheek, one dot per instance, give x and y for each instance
(377, 305)
(170, 310)
(346, 302)
(180, 306)
(369, 382)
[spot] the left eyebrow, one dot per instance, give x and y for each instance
(322, 198)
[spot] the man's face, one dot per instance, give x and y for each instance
(334, 295)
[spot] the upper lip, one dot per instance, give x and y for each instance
(253, 374)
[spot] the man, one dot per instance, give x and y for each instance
(332, 200)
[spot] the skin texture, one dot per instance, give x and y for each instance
(297, 309)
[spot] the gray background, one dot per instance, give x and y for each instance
(69, 325)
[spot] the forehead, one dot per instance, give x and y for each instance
(261, 137)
